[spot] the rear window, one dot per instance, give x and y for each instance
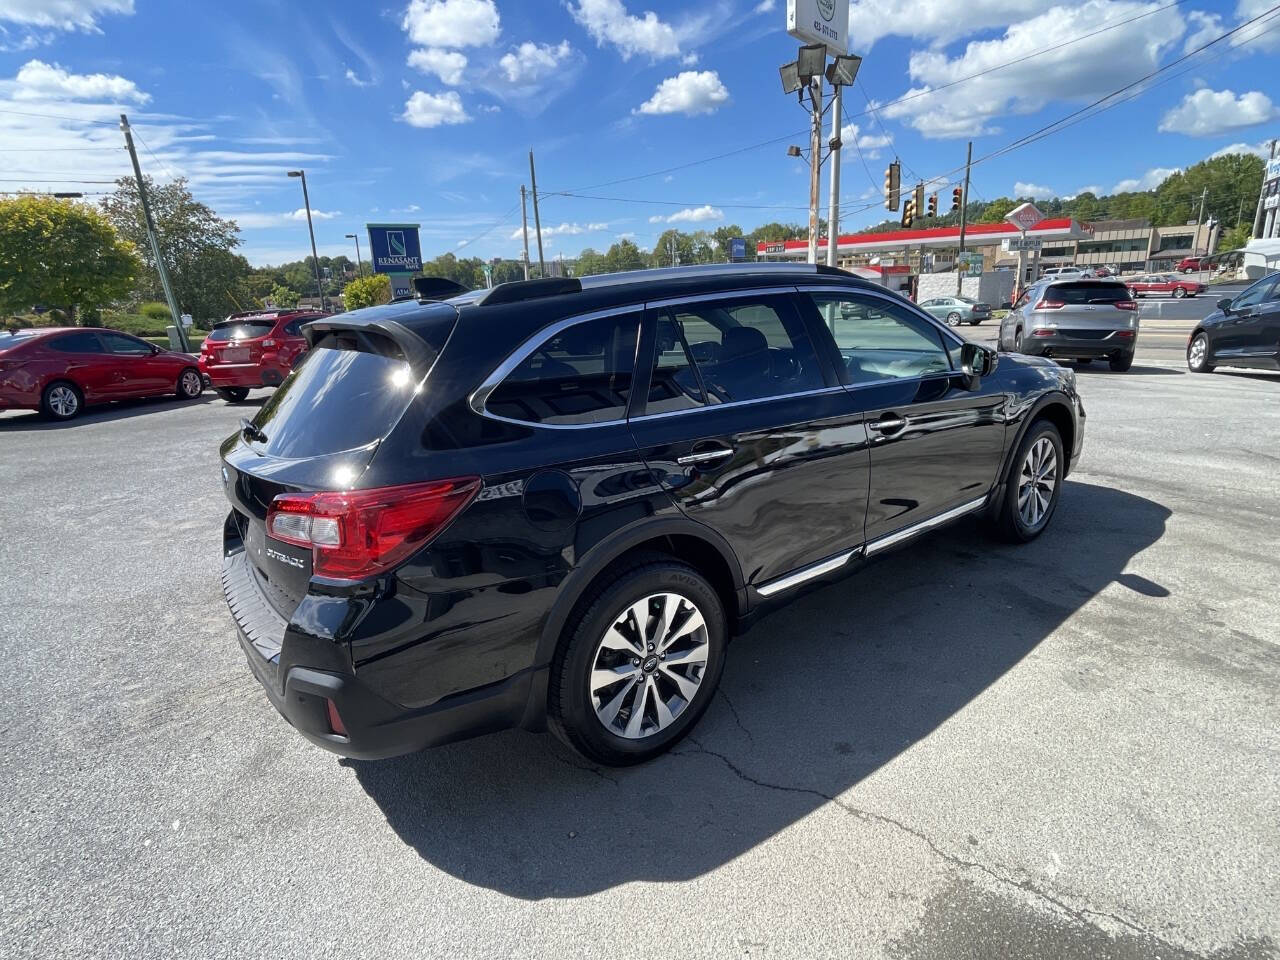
(241, 329)
(8, 340)
(1085, 292)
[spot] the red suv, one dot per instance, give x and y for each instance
(256, 349)
(61, 369)
(1189, 264)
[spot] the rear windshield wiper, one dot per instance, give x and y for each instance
(251, 432)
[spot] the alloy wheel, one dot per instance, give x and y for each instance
(649, 665)
(191, 384)
(1037, 482)
(63, 401)
(1196, 355)
(953, 319)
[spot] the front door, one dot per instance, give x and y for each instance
(935, 445)
(1249, 332)
(749, 431)
(138, 370)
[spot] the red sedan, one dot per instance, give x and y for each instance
(61, 369)
(1163, 285)
(256, 349)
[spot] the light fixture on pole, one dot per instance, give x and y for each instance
(793, 151)
(315, 258)
(841, 73)
(790, 73)
(359, 263)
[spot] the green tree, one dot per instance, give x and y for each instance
(63, 254)
(1236, 237)
(996, 210)
(590, 262)
(624, 255)
(1226, 183)
(283, 296)
(196, 243)
(367, 291)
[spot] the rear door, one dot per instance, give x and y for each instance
(82, 359)
(935, 446)
(748, 430)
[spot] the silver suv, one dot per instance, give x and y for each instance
(1082, 320)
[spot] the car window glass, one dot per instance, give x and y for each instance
(674, 384)
(84, 342)
(241, 329)
(879, 340)
(119, 343)
(1259, 292)
(749, 349)
(293, 328)
(1084, 291)
(1022, 300)
(580, 375)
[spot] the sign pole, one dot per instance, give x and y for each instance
(964, 211)
(833, 202)
(815, 164)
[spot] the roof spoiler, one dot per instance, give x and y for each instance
(437, 288)
(414, 348)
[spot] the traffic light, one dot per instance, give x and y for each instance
(957, 198)
(892, 186)
(917, 202)
(908, 211)
(933, 205)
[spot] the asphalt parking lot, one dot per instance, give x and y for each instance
(1067, 749)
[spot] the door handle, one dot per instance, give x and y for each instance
(887, 424)
(704, 456)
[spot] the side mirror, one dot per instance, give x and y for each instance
(1225, 304)
(976, 362)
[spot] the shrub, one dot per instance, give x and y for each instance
(156, 311)
(366, 292)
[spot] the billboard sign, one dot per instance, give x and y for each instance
(737, 248)
(820, 21)
(1272, 170)
(394, 247)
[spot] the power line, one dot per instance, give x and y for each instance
(26, 180)
(54, 116)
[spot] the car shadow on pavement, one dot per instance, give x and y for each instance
(1135, 370)
(99, 413)
(814, 699)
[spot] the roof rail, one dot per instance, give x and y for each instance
(705, 270)
(516, 290)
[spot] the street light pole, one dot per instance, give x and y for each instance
(815, 163)
(833, 209)
(359, 262)
(315, 257)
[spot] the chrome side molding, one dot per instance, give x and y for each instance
(906, 533)
(805, 574)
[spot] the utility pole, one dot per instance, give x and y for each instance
(833, 202)
(151, 235)
(537, 221)
(315, 258)
(1199, 216)
(1262, 195)
(359, 262)
(964, 216)
(524, 225)
(815, 163)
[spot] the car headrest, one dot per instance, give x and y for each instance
(741, 342)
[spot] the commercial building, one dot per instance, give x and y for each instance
(1268, 224)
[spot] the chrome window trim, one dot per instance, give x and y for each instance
(707, 408)
(480, 395)
(906, 533)
(805, 574)
(719, 295)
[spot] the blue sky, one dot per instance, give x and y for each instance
(424, 111)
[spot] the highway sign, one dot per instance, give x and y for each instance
(1024, 216)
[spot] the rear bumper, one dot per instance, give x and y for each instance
(243, 374)
(1070, 348)
(375, 727)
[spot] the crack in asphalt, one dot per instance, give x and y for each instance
(734, 710)
(585, 769)
(1080, 915)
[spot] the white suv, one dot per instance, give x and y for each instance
(1064, 273)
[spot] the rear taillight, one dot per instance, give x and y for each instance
(355, 534)
(1042, 332)
(1125, 334)
(1050, 305)
(1125, 305)
(335, 718)
(268, 343)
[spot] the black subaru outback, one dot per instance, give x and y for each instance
(552, 503)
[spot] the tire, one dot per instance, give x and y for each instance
(62, 400)
(232, 394)
(1017, 341)
(1121, 363)
(974, 323)
(190, 384)
(1016, 520)
(1198, 359)
(953, 319)
(1188, 270)
(579, 715)
(1179, 292)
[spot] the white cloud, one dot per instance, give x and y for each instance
(445, 64)
(452, 23)
(691, 215)
(935, 19)
(691, 93)
(261, 220)
(563, 230)
(609, 22)
(301, 214)
(530, 63)
(434, 109)
(37, 80)
(1207, 113)
(62, 14)
(869, 144)
(1203, 28)
(1033, 190)
(1092, 188)
(764, 6)
(354, 79)
(1082, 71)
(1262, 150)
(1148, 181)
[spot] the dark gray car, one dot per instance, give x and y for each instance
(1081, 320)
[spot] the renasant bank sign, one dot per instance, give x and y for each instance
(820, 21)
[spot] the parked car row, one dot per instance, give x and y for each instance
(61, 370)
